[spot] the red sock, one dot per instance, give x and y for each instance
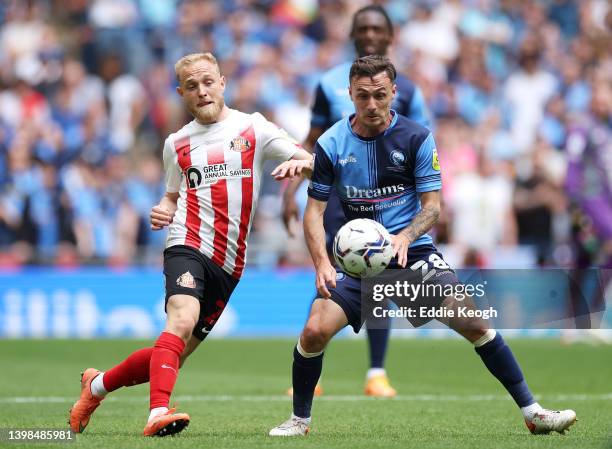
(164, 368)
(132, 371)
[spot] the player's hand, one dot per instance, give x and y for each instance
(326, 276)
(400, 249)
(160, 217)
(290, 169)
(290, 213)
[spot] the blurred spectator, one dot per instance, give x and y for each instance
(565, 14)
(427, 33)
(538, 197)
(126, 101)
(527, 91)
(481, 208)
(552, 127)
(87, 93)
(144, 189)
(589, 179)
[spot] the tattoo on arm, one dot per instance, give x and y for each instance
(422, 222)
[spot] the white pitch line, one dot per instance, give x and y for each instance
(330, 398)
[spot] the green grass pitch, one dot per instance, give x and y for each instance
(233, 390)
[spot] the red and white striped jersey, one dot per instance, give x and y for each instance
(217, 171)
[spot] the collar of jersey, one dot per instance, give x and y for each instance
(369, 139)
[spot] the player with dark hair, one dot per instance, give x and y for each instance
(372, 34)
(390, 154)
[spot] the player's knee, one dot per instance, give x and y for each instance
(182, 326)
(471, 328)
(477, 332)
(314, 337)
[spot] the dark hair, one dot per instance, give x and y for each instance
(374, 8)
(371, 66)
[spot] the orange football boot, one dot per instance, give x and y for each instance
(166, 424)
(379, 387)
(81, 411)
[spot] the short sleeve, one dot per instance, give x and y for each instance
(274, 141)
(427, 167)
(322, 175)
(171, 168)
(320, 116)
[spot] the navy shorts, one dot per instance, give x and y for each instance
(189, 272)
(347, 293)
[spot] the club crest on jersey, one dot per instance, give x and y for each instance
(240, 144)
(186, 280)
(397, 158)
(435, 162)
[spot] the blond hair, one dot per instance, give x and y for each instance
(193, 58)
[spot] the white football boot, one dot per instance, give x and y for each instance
(545, 421)
(293, 427)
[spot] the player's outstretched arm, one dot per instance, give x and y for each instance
(163, 213)
(315, 240)
(420, 224)
(301, 164)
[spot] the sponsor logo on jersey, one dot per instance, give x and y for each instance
(435, 162)
(340, 276)
(186, 280)
(240, 144)
(214, 168)
(210, 174)
(194, 177)
(350, 159)
(353, 192)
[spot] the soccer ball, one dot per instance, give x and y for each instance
(363, 248)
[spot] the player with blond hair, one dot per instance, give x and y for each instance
(213, 169)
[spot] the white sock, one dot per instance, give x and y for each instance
(306, 420)
(530, 410)
(97, 386)
(157, 411)
(488, 336)
(375, 372)
(306, 355)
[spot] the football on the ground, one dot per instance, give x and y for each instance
(363, 248)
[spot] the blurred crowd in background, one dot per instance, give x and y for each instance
(519, 93)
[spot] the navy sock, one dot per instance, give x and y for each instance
(377, 340)
(306, 373)
(500, 361)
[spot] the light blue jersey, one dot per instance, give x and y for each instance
(378, 178)
(333, 103)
